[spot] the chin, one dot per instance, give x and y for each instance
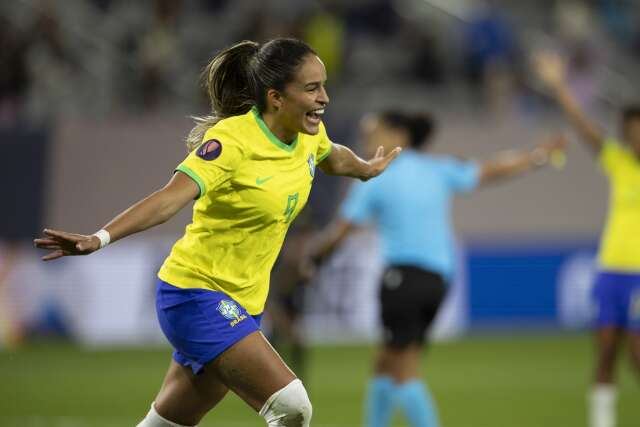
(310, 129)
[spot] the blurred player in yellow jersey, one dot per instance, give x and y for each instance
(617, 288)
(250, 167)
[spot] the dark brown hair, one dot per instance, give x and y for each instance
(238, 78)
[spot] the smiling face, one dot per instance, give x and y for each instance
(299, 108)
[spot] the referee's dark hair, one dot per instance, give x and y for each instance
(419, 126)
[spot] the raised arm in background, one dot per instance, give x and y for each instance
(551, 69)
(510, 163)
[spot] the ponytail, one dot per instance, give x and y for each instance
(231, 85)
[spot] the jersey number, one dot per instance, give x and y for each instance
(292, 202)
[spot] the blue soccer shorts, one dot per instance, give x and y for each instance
(617, 299)
(201, 324)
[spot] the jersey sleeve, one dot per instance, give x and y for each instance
(610, 153)
(213, 162)
(461, 175)
(359, 205)
(324, 145)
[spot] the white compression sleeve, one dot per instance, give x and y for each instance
(288, 407)
(153, 419)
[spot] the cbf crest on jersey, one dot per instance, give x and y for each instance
(229, 309)
(311, 161)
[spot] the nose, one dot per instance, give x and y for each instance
(323, 97)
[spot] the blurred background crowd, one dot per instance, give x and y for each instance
(91, 58)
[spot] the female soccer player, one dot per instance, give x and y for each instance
(410, 204)
(250, 167)
(617, 287)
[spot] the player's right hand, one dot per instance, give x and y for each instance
(61, 243)
(307, 268)
(550, 68)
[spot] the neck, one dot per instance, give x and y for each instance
(284, 135)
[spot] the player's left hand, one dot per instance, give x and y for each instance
(379, 162)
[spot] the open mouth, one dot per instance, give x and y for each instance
(315, 116)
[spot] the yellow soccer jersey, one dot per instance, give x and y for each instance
(619, 248)
(251, 187)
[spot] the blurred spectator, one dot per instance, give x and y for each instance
(14, 78)
(427, 65)
(159, 52)
(372, 17)
(490, 56)
(325, 31)
(619, 18)
(489, 41)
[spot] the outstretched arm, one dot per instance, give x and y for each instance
(552, 70)
(513, 163)
(342, 161)
(155, 209)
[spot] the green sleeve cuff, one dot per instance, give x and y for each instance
(191, 174)
(325, 155)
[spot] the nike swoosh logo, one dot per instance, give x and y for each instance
(260, 181)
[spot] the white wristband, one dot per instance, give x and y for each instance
(104, 237)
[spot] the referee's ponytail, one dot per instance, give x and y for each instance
(238, 78)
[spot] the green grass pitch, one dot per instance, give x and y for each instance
(481, 381)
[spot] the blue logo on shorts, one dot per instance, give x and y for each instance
(311, 161)
(229, 309)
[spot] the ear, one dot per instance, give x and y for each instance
(274, 99)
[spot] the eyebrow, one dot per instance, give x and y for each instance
(315, 83)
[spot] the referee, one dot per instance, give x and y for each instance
(411, 207)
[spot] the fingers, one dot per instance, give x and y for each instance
(63, 235)
(380, 151)
(394, 153)
(54, 255)
(54, 246)
(40, 242)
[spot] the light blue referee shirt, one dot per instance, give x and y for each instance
(411, 205)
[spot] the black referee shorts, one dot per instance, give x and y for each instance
(409, 300)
